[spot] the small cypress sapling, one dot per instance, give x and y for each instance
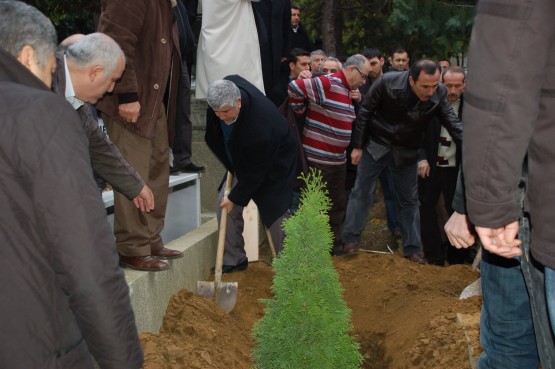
(307, 324)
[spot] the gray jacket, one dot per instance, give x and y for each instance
(106, 159)
(63, 295)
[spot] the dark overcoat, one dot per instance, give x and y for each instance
(263, 152)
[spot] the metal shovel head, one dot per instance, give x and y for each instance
(473, 289)
(226, 296)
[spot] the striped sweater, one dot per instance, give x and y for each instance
(328, 126)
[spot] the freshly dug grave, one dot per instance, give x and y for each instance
(404, 314)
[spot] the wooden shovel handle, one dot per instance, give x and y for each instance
(221, 236)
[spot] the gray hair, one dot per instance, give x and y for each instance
(222, 93)
(316, 52)
(21, 25)
(333, 59)
(95, 49)
(358, 60)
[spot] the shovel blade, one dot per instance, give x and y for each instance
(473, 289)
(226, 293)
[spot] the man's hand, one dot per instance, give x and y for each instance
(501, 241)
(356, 154)
(423, 169)
(130, 112)
(144, 200)
(459, 231)
(356, 95)
(305, 74)
(226, 203)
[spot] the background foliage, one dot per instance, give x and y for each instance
(426, 28)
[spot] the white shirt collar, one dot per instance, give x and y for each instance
(70, 92)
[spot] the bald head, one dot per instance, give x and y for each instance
(95, 63)
(70, 40)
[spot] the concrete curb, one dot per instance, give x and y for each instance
(150, 292)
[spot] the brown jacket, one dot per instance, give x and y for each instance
(106, 159)
(147, 33)
(510, 112)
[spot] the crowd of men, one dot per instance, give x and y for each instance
(350, 119)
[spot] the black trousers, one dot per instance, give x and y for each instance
(443, 182)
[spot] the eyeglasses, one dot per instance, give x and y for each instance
(364, 76)
(326, 70)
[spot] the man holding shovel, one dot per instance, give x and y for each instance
(253, 141)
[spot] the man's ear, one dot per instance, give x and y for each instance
(27, 56)
(411, 81)
(95, 72)
(239, 103)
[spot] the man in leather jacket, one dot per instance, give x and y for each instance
(388, 134)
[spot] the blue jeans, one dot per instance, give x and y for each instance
(514, 329)
(550, 294)
(405, 191)
(387, 190)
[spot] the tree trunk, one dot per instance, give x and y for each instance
(328, 28)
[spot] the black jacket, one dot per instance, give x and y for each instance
(63, 293)
(386, 118)
(430, 148)
(263, 151)
(273, 23)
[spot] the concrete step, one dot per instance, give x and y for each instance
(151, 291)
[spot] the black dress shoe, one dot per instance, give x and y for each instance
(350, 248)
(226, 269)
(438, 262)
(189, 168)
(416, 258)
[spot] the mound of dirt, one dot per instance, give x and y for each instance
(404, 314)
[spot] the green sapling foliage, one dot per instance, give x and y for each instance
(307, 324)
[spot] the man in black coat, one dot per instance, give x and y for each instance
(297, 34)
(273, 20)
(253, 141)
(388, 134)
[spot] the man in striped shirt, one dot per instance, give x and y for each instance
(327, 131)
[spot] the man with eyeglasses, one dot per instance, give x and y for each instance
(327, 130)
(388, 134)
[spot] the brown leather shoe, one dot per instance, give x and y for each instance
(147, 263)
(350, 248)
(416, 258)
(165, 253)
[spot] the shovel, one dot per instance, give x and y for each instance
(223, 293)
(475, 288)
